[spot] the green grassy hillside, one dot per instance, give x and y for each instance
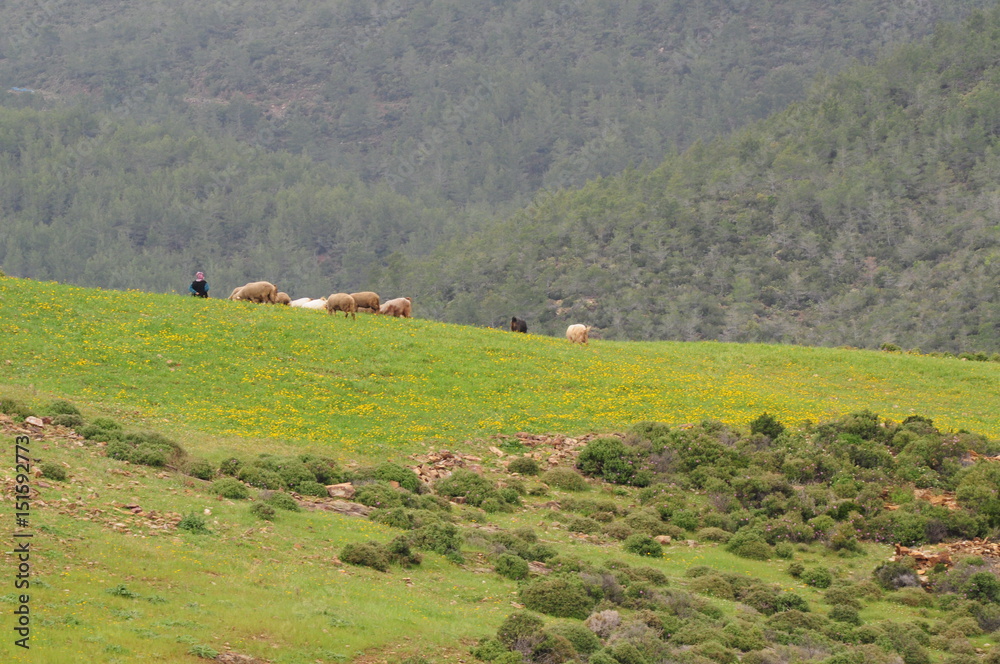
(249, 376)
(112, 584)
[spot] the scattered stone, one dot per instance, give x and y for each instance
(345, 490)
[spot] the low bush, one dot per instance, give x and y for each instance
(392, 472)
(312, 488)
(60, 407)
(262, 478)
(263, 511)
(714, 535)
(524, 466)
(231, 466)
(378, 494)
(200, 468)
(617, 530)
(566, 479)
(518, 625)
(749, 543)
(193, 523)
(230, 487)
(817, 577)
(583, 640)
(473, 487)
(367, 554)
(68, 420)
(559, 597)
(642, 545)
(511, 566)
(282, 501)
(53, 471)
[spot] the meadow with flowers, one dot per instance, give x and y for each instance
(779, 477)
(381, 386)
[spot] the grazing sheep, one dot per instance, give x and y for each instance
(259, 291)
(366, 300)
(518, 325)
(235, 295)
(342, 302)
(315, 304)
(299, 302)
(283, 298)
(578, 333)
(401, 307)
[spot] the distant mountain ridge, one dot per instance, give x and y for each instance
(867, 214)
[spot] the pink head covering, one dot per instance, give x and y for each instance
(199, 276)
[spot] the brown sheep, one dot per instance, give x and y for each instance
(366, 300)
(263, 292)
(283, 298)
(342, 302)
(401, 307)
(578, 333)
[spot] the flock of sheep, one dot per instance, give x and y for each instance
(264, 292)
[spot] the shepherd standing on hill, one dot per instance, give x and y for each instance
(199, 287)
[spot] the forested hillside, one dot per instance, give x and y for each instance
(474, 101)
(866, 214)
(343, 146)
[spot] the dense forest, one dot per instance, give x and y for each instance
(480, 102)
(334, 146)
(864, 215)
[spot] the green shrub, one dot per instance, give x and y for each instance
(118, 450)
(14, 408)
(439, 537)
(61, 407)
(193, 523)
(282, 501)
(474, 487)
(378, 494)
(583, 640)
(524, 466)
(642, 545)
(293, 474)
(200, 468)
(714, 585)
(399, 550)
(53, 471)
(714, 535)
(767, 425)
(230, 487)
(845, 614)
(784, 550)
(512, 567)
(558, 597)
(367, 554)
(982, 586)
(259, 477)
(611, 459)
(566, 479)
(817, 577)
(893, 575)
(99, 434)
(263, 511)
(312, 488)
(68, 420)
(749, 543)
(617, 530)
(324, 469)
(391, 472)
(518, 625)
(231, 466)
